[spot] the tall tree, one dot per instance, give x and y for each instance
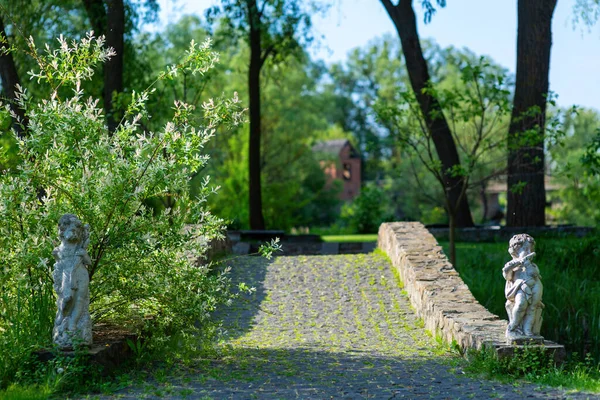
(107, 18)
(272, 29)
(115, 19)
(526, 190)
(403, 16)
(10, 79)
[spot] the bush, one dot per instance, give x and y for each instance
(143, 265)
(367, 211)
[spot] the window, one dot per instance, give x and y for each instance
(347, 172)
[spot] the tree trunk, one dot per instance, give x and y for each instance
(452, 239)
(484, 202)
(10, 79)
(404, 20)
(257, 220)
(113, 69)
(526, 191)
(107, 18)
(97, 15)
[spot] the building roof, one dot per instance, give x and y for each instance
(330, 146)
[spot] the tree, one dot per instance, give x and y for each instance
(369, 74)
(273, 30)
(403, 16)
(574, 166)
(476, 107)
(293, 185)
(108, 18)
(114, 19)
(117, 20)
(526, 195)
(586, 12)
(10, 80)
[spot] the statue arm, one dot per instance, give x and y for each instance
(507, 271)
(536, 271)
(85, 257)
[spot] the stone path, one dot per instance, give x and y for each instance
(328, 327)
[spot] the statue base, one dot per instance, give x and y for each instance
(555, 351)
(109, 351)
(524, 340)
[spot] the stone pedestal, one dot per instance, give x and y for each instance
(525, 340)
(109, 350)
(554, 350)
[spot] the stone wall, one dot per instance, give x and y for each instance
(439, 295)
(435, 289)
(299, 248)
(503, 233)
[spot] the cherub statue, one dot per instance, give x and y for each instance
(73, 325)
(523, 290)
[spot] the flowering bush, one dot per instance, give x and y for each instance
(144, 264)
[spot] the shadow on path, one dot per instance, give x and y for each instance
(252, 271)
(305, 373)
(327, 327)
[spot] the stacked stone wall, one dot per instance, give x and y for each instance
(435, 289)
(494, 234)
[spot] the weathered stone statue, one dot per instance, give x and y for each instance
(73, 325)
(523, 291)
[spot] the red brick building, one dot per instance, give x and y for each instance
(340, 160)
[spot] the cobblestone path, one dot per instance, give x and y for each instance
(329, 327)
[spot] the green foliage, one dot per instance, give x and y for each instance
(293, 186)
(475, 102)
(570, 268)
(16, 392)
(371, 97)
(366, 212)
(591, 157)
(586, 12)
(575, 167)
(144, 265)
(267, 249)
(283, 26)
(26, 318)
(534, 365)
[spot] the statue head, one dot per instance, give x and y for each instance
(521, 245)
(71, 230)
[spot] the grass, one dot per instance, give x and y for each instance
(532, 365)
(570, 269)
(16, 392)
(26, 320)
(370, 237)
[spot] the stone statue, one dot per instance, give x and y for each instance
(73, 325)
(523, 291)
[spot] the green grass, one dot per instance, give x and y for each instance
(532, 365)
(570, 269)
(26, 320)
(370, 237)
(15, 392)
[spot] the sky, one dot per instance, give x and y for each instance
(487, 27)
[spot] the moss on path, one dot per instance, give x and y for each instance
(327, 327)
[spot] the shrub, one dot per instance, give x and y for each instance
(143, 265)
(367, 211)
